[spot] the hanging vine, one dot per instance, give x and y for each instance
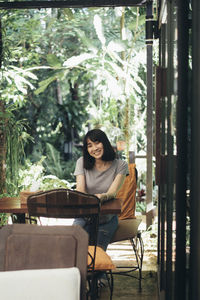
(14, 137)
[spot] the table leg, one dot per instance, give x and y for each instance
(18, 218)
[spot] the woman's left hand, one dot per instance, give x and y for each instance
(98, 195)
(102, 197)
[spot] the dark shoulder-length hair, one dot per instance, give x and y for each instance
(97, 135)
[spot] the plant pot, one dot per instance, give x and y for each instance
(24, 195)
(121, 145)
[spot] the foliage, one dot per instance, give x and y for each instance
(14, 84)
(89, 59)
(16, 137)
(141, 207)
(31, 175)
(70, 69)
(33, 178)
(3, 219)
(116, 83)
(44, 42)
(53, 165)
(52, 182)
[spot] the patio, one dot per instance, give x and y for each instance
(127, 288)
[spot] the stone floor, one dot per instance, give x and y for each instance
(127, 288)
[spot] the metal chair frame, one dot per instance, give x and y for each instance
(136, 241)
(66, 203)
(138, 248)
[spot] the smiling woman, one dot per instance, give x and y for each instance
(95, 149)
(98, 172)
(96, 142)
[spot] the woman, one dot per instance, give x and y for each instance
(98, 172)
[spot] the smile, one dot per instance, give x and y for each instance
(97, 152)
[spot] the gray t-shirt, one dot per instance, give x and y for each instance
(98, 182)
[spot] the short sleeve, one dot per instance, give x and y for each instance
(79, 170)
(122, 167)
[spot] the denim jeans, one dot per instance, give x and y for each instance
(105, 231)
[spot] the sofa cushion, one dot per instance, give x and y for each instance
(51, 284)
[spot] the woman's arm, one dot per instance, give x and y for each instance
(80, 183)
(113, 189)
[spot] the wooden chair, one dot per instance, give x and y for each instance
(66, 203)
(128, 225)
(32, 247)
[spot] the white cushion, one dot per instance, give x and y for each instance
(47, 284)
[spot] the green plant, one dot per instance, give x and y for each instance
(3, 219)
(15, 138)
(3, 216)
(52, 182)
(52, 163)
(141, 207)
(55, 165)
(32, 177)
(96, 58)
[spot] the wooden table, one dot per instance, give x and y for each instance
(14, 206)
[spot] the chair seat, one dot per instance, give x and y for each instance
(103, 261)
(127, 228)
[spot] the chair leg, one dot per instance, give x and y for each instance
(92, 291)
(110, 281)
(138, 248)
(109, 277)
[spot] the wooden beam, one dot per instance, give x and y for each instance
(70, 3)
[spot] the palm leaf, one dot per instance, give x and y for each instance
(53, 161)
(99, 29)
(44, 84)
(77, 60)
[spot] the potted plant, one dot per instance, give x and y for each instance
(121, 145)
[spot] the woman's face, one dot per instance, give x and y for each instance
(95, 149)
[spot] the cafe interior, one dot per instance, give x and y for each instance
(62, 262)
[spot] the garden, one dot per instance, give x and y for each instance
(64, 71)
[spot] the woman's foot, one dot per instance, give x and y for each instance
(102, 283)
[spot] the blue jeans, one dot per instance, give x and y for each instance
(105, 231)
